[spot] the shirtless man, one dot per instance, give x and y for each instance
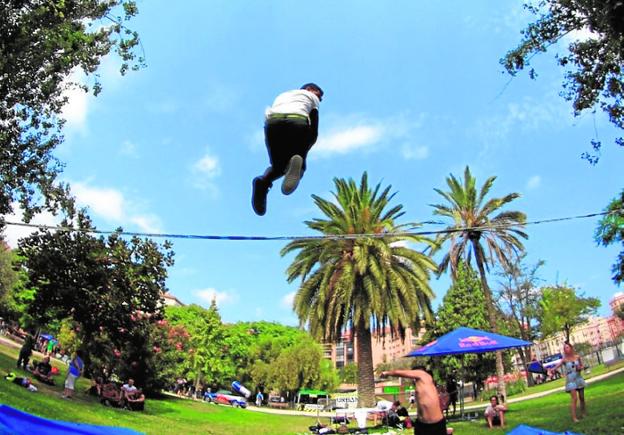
(430, 418)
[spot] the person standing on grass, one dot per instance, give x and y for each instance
(430, 420)
(575, 384)
(76, 367)
(290, 130)
(25, 352)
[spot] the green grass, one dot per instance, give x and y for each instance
(166, 416)
(605, 401)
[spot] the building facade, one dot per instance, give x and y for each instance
(384, 349)
(598, 332)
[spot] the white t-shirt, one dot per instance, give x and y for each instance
(129, 388)
(299, 101)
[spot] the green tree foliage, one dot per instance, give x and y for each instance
(561, 309)
(463, 305)
(594, 75)
(474, 233)
(15, 296)
(206, 362)
(348, 374)
(519, 296)
(298, 366)
(77, 275)
(611, 231)
(255, 347)
(42, 43)
(362, 283)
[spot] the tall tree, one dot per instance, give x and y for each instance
(42, 44)
(611, 231)
(518, 297)
(76, 275)
(351, 279)
(463, 305)
(561, 309)
(594, 66)
(474, 233)
(206, 362)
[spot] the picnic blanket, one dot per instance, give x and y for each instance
(528, 430)
(16, 422)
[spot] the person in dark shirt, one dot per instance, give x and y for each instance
(43, 371)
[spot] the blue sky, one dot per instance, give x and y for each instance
(413, 92)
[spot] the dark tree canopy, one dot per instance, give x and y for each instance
(42, 43)
(611, 231)
(594, 76)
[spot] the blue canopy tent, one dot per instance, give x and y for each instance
(528, 430)
(467, 340)
(16, 422)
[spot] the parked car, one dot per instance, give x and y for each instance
(226, 397)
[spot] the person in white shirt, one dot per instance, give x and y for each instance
(129, 388)
(290, 130)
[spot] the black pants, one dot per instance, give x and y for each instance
(285, 138)
(23, 360)
(438, 428)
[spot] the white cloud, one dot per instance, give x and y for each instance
(342, 141)
(13, 233)
(221, 98)
(76, 109)
(108, 203)
(288, 300)
(350, 133)
(221, 297)
(128, 148)
(205, 171)
(414, 152)
(534, 182)
(111, 205)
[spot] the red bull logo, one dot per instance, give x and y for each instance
(476, 341)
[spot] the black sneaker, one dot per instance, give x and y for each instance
(259, 195)
(292, 175)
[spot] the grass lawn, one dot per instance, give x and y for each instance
(595, 371)
(166, 416)
(605, 406)
(605, 401)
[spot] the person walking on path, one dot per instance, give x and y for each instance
(76, 367)
(430, 421)
(575, 384)
(290, 130)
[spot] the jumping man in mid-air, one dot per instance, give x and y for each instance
(290, 130)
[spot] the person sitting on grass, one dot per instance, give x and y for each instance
(95, 389)
(495, 413)
(135, 400)
(43, 371)
(128, 388)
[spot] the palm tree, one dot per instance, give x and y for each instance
(475, 234)
(360, 274)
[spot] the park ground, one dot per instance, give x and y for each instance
(170, 415)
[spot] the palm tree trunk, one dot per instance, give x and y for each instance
(500, 368)
(366, 377)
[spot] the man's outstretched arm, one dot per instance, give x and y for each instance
(427, 399)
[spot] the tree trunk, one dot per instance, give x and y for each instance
(525, 358)
(366, 376)
(500, 368)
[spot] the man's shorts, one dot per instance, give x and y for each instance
(70, 381)
(438, 428)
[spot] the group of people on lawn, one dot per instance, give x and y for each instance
(128, 395)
